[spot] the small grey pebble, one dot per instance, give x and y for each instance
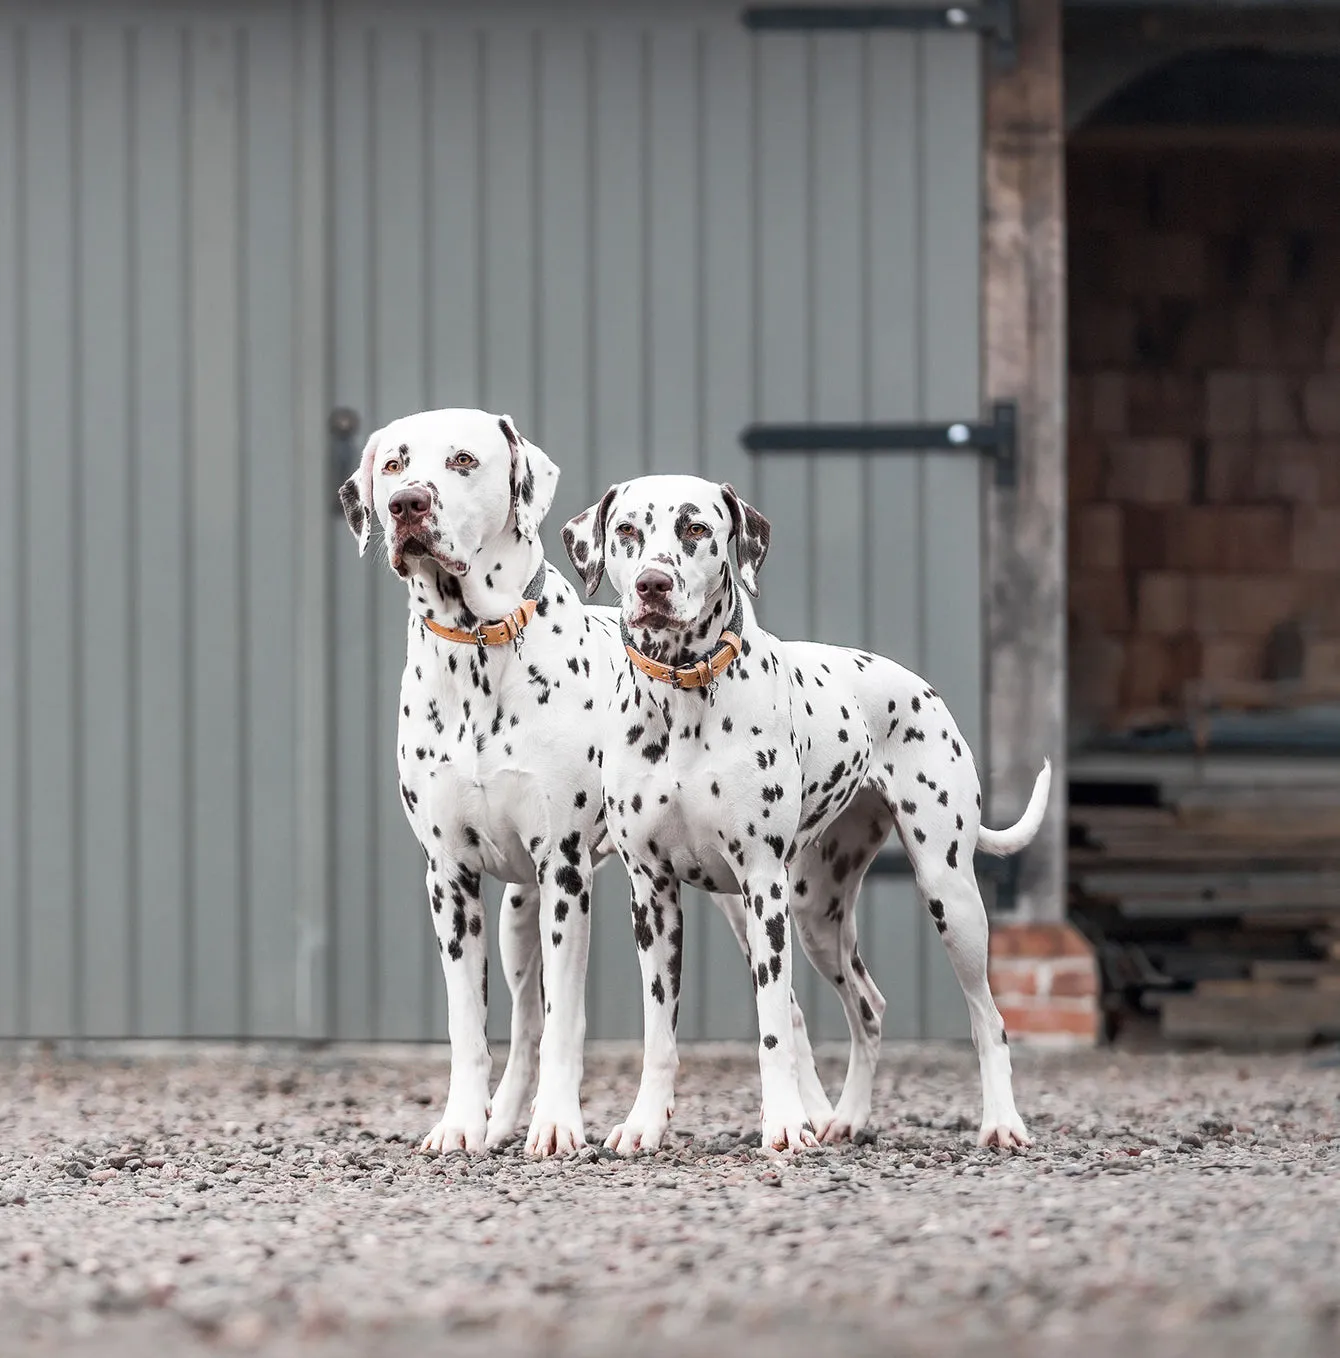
(76, 1169)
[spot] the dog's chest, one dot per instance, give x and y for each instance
(691, 786)
(473, 727)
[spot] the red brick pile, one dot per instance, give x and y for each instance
(1045, 982)
(1204, 416)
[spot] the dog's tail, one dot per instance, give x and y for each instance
(1000, 843)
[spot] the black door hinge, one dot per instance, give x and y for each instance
(342, 425)
(997, 437)
(994, 18)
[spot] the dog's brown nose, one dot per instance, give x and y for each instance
(654, 585)
(406, 505)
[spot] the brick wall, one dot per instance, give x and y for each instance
(1204, 417)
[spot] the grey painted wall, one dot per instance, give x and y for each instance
(147, 596)
(635, 228)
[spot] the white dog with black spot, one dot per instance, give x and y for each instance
(503, 712)
(776, 770)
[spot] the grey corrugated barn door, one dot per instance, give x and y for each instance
(148, 326)
(637, 229)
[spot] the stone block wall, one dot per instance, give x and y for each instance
(1204, 419)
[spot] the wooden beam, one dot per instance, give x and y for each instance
(1025, 329)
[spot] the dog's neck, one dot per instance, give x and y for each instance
(687, 645)
(499, 573)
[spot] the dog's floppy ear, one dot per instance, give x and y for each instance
(752, 533)
(584, 537)
(534, 478)
(356, 495)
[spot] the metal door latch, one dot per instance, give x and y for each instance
(995, 18)
(997, 437)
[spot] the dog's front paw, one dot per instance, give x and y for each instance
(458, 1130)
(555, 1130)
(643, 1129)
(1008, 1133)
(787, 1130)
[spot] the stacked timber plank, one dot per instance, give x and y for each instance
(1218, 908)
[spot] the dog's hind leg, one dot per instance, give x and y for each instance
(826, 881)
(949, 889)
(519, 944)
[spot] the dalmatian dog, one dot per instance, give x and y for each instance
(775, 770)
(503, 708)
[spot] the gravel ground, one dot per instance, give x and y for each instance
(272, 1201)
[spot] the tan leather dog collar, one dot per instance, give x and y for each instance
(706, 671)
(498, 633)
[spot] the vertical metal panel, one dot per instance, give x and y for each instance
(895, 307)
(644, 229)
(215, 728)
(159, 438)
(784, 317)
(452, 236)
(13, 724)
(50, 305)
(270, 446)
(363, 733)
(106, 970)
(510, 243)
(149, 888)
(311, 539)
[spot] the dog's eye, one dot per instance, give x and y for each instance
(625, 530)
(463, 461)
(698, 530)
(392, 466)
